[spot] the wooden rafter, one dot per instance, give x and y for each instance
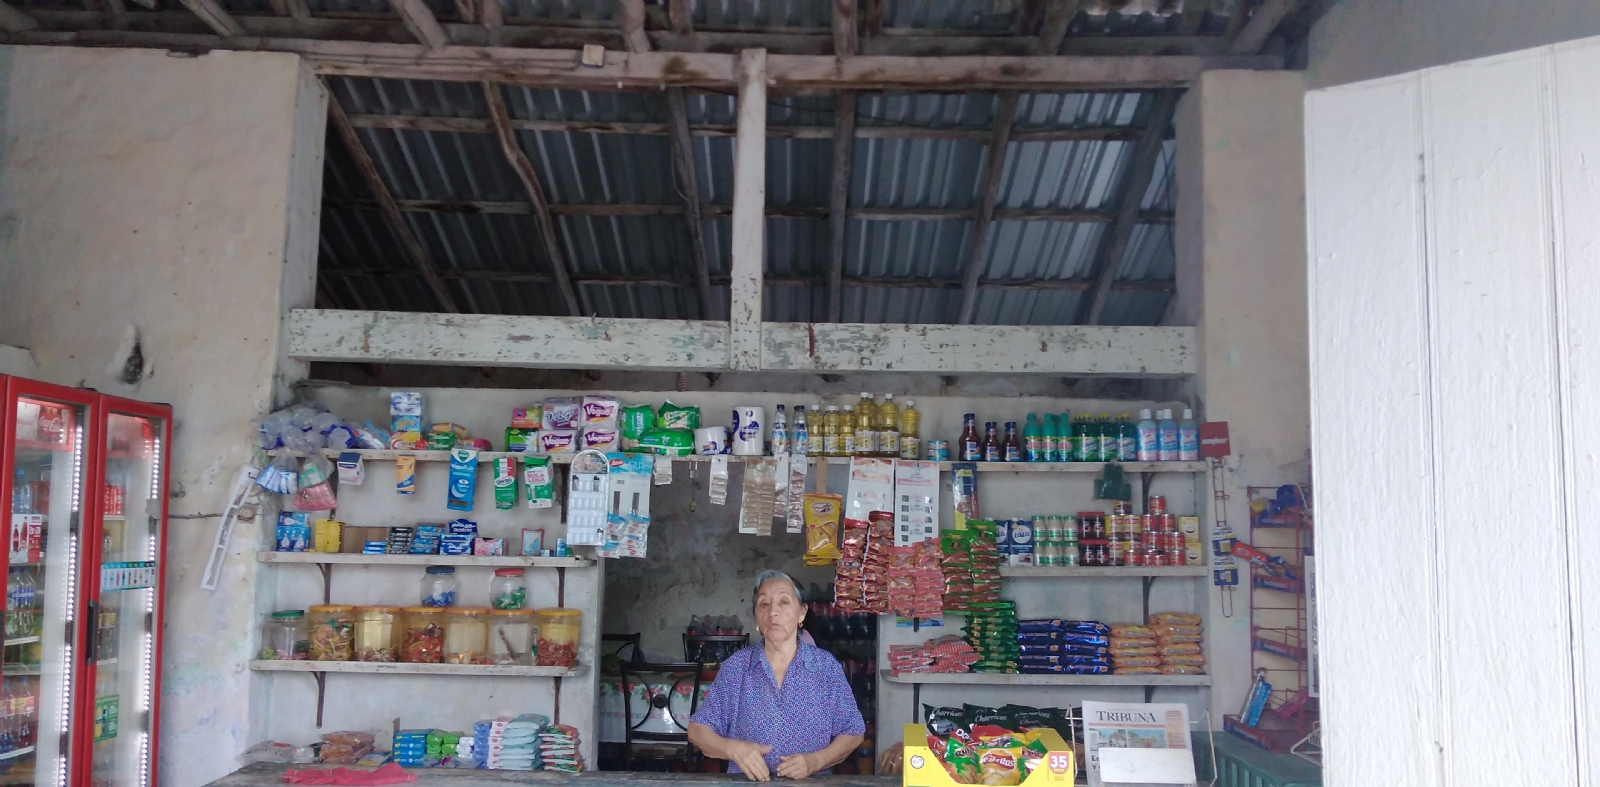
(1058, 16)
(560, 68)
(1260, 27)
(1078, 215)
(212, 13)
(844, 137)
(484, 126)
(13, 20)
(1141, 169)
(683, 172)
(386, 204)
(682, 21)
(419, 20)
(988, 193)
(844, 28)
(530, 181)
(630, 16)
(746, 246)
(1035, 285)
(489, 18)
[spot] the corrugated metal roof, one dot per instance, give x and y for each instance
(586, 168)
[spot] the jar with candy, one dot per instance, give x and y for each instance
(511, 636)
(557, 645)
(283, 636)
(466, 636)
(332, 632)
(422, 641)
(439, 586)
(376, 629)
(508, 590)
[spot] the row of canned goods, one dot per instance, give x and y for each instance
(1092, 538)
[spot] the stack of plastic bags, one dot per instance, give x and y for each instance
(1050, 646)
(916, 585)
(949, 653)
(509, 744)
(466, 752)
(1179, 638)
(559, 747)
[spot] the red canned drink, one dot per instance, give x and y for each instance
(1171, 542)
(1121, 508)
(1156, 504)
(1150, 539)
(1160, 558)
(1136, 555)
(1147, 524)
(1176, 557)
(1169, 523)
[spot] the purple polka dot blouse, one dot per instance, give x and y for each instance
(814, 706)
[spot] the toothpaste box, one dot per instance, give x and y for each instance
(489, 547)
(561, 414)
(600, 439)
(601, 411)
(455, 545)
(558, 441)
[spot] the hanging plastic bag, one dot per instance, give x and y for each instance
(281, 476)
(315, 493)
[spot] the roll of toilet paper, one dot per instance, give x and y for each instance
(749, 431)
(711, 440)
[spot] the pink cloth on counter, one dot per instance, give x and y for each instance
(383, 774)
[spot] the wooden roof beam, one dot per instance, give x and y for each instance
(1141, 169)
(1266, 18)
(386, 204)
(844, 142)
(14, 20)
(988, 193)
(219, 20)
(525, 277)
(419, 19)
(530, 181)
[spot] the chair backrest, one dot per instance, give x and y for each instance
(660, 682)
(712, 648)
(614, 643)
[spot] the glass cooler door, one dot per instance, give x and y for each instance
(42, 481)
(124, 605)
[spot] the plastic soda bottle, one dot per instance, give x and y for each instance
(1127, 439)
(1108, 439)
(801, 433)
(888, 429)
(847, 431)
(910, 434)
(1047, 439)
(1032, 444)
(780, 433)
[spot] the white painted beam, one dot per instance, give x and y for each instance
(749, 206)
(680, 345)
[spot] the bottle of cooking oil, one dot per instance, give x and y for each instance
(888, 427)
(847, 431)
(910, 437)
(866, 426)
(831, 444)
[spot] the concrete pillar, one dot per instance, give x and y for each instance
(178, 197)
(1241, 262)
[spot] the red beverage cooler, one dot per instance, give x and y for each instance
(83, 487)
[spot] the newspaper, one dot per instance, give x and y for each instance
(1127, 741)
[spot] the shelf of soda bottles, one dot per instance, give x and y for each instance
(983, 467)
(10, 641)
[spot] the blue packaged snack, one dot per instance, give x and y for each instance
(1039, 638)
(1042, 624)
(463, 478)
(1084, 639)
(1085, 626)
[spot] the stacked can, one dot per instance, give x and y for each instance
(1055, 540)
(1093, 539)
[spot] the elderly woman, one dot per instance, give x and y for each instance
(782, 706)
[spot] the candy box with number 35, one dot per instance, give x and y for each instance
(922, 769)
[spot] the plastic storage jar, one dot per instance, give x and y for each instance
(508, 590)
(422, 641)
(332, 632)
(376, 630)
(283, 636)
(439, 586)
(557, 645)
(511, 636)
(466, 636)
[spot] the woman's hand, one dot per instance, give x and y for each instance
(749, 757)
(798, 766)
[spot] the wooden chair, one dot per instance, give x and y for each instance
(664, 748)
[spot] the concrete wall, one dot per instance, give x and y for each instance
(1365, 39)
(176, 195)
(1453, 261)
(1240, 235)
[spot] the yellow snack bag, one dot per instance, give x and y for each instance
(822, 514)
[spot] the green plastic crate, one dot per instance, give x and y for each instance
(1240, 764)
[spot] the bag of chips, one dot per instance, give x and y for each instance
(1174, 618)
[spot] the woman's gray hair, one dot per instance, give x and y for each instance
(770, 575)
